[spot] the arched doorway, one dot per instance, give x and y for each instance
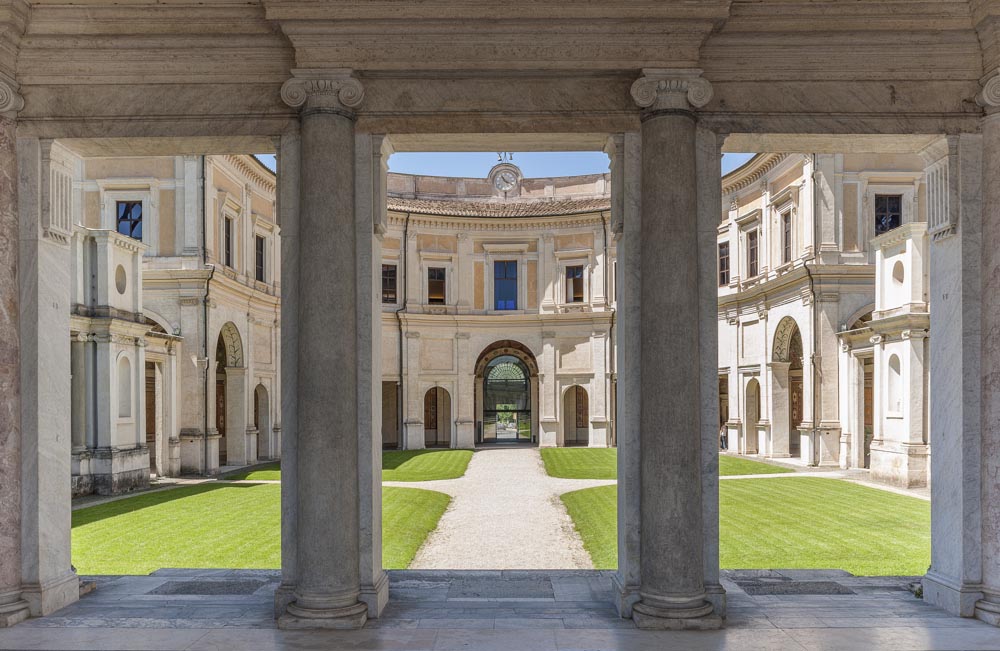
(437, 418)
(786, 387)
(752, 417)
(230, 399)
(576, 416)
(506, 394)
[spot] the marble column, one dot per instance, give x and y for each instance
(672, 592)
(288, 173)
(953, 581)
(327, 580)
(48, 579)
(988, 608)
(13, 608)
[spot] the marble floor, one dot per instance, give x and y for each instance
(174, 610)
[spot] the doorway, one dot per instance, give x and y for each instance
(437, 418)
(576, 416)
(506, 401)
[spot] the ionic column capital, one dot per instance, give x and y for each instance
(336, 89)
(671, 89)
(989, 96)
(10, 100)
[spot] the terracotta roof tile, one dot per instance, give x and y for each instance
(500, 209)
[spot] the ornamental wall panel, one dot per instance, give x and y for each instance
(574, 355)
(262, 349)
(437, 354)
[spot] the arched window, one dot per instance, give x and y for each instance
(895, 388)
(897, 272)
(124, 388)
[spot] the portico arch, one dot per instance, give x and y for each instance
(786, 389)
(506, 381)
(235, 447)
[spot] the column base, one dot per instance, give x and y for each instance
(14, 611)
(953, 598)
(47, 599)
(625, 596)
(349, 618)
(283, 596)
(699, 618)
(376, 596)
(988, 611)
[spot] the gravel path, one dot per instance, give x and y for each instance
(505, 514)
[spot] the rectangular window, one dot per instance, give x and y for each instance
(505, 285)
(888, 212)
(129, 218)
(389, 284)
(723, 264)
(258, 246)
(227, 244)
(786, 237)
(752, 260)
(435, 285)
(574, 284)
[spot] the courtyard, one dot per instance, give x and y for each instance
(554, 509)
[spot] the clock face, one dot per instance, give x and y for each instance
(505, 181)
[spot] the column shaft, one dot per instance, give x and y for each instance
(327, 582)
(12, 608)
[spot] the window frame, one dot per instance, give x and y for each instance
(228, 250)
(571, 283)
(875, 211)
(444, 285)
(785, 219)
(753, 261)
(260, 258)
(144, 191)
(725, 274)
(395, 283)
(508, 264)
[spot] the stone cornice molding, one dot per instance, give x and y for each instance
(10, 99)
(334, 89)
(671, 89)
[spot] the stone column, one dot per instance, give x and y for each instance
(988, 608)
(953, 581)
(288, 177)
(13, 608)
(327, 580)
(672, 592)
(48, 579)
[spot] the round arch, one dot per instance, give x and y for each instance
(783, 335)
(232, 343)
(861, 317)
(511, 358)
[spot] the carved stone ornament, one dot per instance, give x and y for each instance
(323, 88)
(989, 96)
(669, 88)
(10, 100)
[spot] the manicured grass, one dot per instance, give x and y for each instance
(267, 472)
(729, 466)
(602, 463)
(424, 465)
(797, 523)
(581, 463)
(397, 465)
(225, 526)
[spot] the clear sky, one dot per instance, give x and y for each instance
(532, 164)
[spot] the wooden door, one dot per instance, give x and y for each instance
(220, 417)
(151, 417)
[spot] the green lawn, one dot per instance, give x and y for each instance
(797, 523)
(225, 526)
(397, 465)
(424, 465)
(602, 463)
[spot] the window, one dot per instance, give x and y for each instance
(227, 242)
(752, 260)
(129, 218)
(505, 285)
(786, 237)
(258, 245)
(574, 284)
(888, 212)
(389, 283)
(435, 285)
(723, 264)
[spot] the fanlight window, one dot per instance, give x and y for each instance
(507, 371)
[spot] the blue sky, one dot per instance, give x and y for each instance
(532, 164)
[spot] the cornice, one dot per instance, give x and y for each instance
(252, 171)
(467, 224)
(754, 170)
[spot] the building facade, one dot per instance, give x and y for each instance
(823, 311)
(175, 315)
(497, 311)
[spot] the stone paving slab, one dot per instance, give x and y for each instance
(578, 614)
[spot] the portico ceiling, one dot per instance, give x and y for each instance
(99, 68)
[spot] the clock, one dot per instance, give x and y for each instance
(505, 181)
